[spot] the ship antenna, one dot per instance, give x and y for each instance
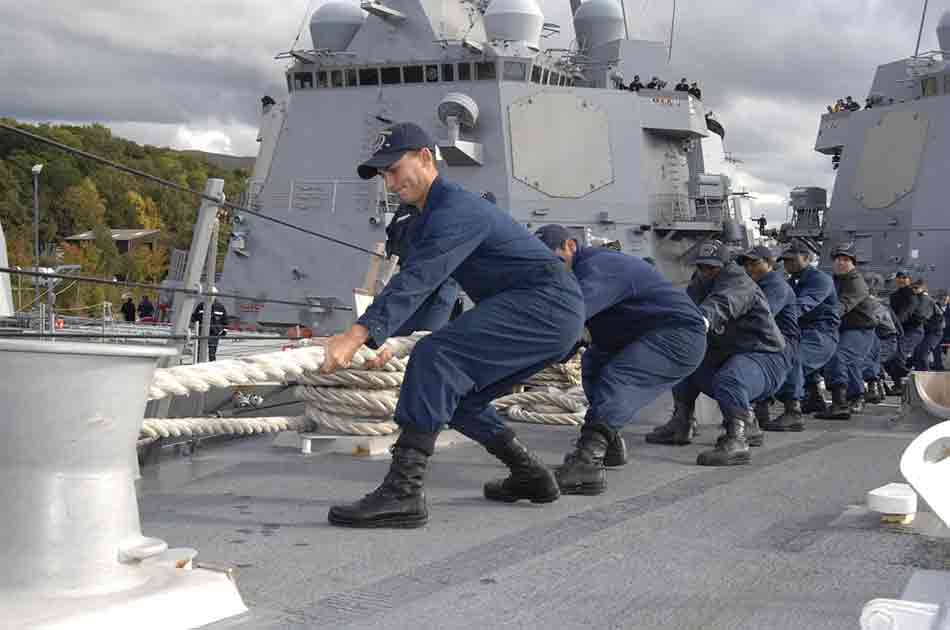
(672, 27)
(303, 22)
(921, 31)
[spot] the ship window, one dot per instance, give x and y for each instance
(515, 71)
(369, 76)
(448, 72)
(350, 78)
(290, 84)
(412, 74)
(465, 72)
(485, 71)
(432, 74)
(929, 86)
(336, 78)
(536, 74)
(554, 78)
(563, 80)
(391, 76)
(303, 80)
(544, 78)
(323, 80)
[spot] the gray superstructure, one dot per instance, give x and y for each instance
(544, 129)
(890, 194)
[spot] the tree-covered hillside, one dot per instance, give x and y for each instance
(77, 195)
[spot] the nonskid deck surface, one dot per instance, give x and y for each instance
(782, 543)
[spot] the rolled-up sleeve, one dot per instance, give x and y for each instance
(442, 244)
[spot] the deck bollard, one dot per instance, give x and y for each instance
(72, 552)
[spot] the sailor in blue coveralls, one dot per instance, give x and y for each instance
(745, 357)
(646, 336)
(528, 314)
(759, 263)
(819, 321)
(844, 372)
(436, 311)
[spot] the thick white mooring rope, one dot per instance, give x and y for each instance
(354, 401)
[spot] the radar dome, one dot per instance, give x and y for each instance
(514, 20)
(943, 34)
(597, 22)
(333, 26)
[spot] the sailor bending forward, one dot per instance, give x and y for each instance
(745, 360)
(529, 312)
(646, 336)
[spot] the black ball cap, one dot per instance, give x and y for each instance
(392, 144)
(553, 235)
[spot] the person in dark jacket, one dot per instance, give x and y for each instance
(745, 357)
(819, 321)
(904, 301)
(759, 263)
(146, 308)
(943, 305)
(932, 317)
(884, 351)
(646, 336)
(219, 322)
(843, 374)
(128, 310)
(438, 309)
(528, 314)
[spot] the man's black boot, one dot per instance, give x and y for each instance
(583, 469)
(856, 405)
(897, 389)
(872, 395)
(814, 402)
(616, 451)
(790, 420)
(882, 394)
(732, 448)
(759, 417)
(679, 430)
(840, 409)
(400, 501)
(529, 479)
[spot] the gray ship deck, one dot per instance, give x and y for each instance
(781, 543)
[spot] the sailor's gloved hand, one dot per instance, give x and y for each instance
(583, 342)
(341, 348)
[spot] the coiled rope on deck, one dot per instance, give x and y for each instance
(352, 401)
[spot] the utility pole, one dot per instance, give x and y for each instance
(36, 170)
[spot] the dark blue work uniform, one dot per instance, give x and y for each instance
(646, 335)
(436, 311)
(745, 357)
(528, 312)
(819, 321)
(784, 306)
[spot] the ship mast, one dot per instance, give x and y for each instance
(921, 31)
(672, 27)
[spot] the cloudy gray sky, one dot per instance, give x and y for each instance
(190, 73)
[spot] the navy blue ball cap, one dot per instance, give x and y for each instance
(796, 248)
(553, 235)
(392, 144)
(712, 253)
(759, 252)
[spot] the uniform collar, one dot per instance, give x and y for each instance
(436, 193)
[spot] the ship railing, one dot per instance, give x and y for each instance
(672, 208)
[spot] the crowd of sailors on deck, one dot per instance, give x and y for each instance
(656, 83)
(745, 332)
